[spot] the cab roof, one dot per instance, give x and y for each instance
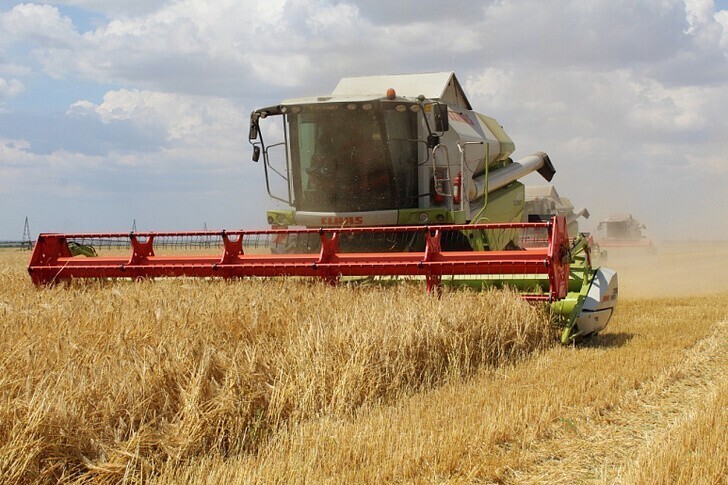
(437, 86)
(441, 86)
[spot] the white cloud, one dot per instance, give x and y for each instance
(698, 12)
(41, 25)
(184, 116)
(668, 110)
(619, 139)
(49, 174)
(336, 19)
(722, 18)
(44, 32)
(184, 122)
(14, 152)
(11, 88)
(490, 84)
(200, 141)
(590, 104)
(704, 23)
(245, 46)
(582, 33)
(81, 108)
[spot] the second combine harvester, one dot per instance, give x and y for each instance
(388, 176)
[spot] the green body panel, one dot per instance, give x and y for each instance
(507, 147)
(405, 217)
(504, 205)
(411, 217)
(282, 218)
(566, 311)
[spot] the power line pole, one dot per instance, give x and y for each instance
(26, 241)
(206, 239)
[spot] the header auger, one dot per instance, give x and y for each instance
(388, 177)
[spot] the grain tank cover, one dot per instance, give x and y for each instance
(440, 86)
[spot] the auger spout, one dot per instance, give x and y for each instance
(538, 162)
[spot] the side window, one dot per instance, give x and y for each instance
(306, 147)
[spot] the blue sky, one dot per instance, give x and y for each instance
(113, 111)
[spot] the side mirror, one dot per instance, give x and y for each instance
(442, 122)
(253, 133)
(256, 153)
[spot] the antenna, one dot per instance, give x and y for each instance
(133, 225)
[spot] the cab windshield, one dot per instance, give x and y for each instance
(353, 157)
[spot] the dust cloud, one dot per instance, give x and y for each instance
(674, 270)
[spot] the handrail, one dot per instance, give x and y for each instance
(479, 215)
(461, 149)
(448, 179)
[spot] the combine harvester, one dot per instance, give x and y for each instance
(387, 177)
(543, 202)
(621, 235)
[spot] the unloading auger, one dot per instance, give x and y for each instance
(388, 177)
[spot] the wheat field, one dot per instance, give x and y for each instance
(189, 381)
